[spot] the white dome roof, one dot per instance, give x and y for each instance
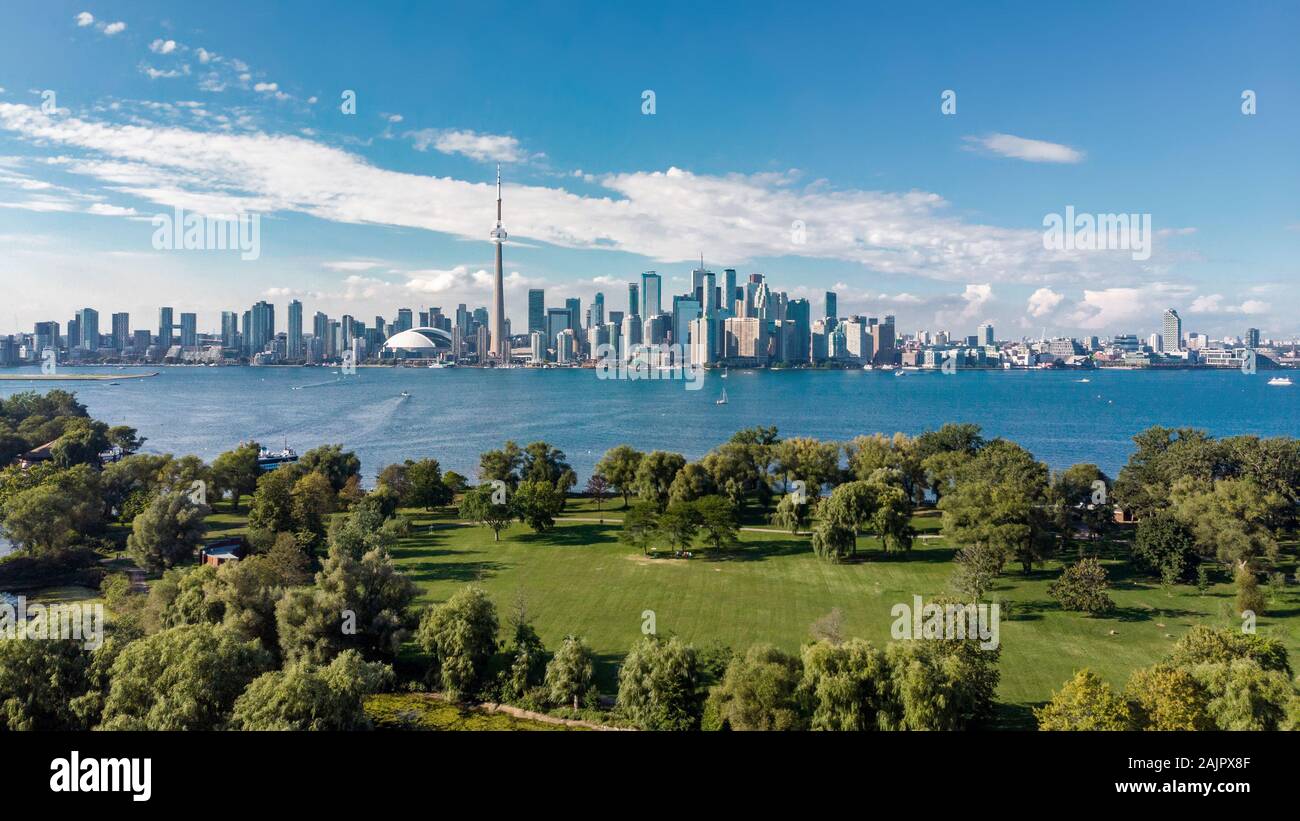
(419, 339)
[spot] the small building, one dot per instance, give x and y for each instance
(37, 456)
(221, 551)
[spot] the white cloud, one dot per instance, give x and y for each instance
(1125, 307)
(1214, 304)
(1043, 301)
(664, 215)
(480, 147)
(161, 46)
(84, 19)
(103, 209)
(351, 265)
(114, 28)
(1021, 148)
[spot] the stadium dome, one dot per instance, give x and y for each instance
(419, 340)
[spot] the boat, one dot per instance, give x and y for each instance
(406, 394)
(900, 373)
(1085, 379)
(271, 459)
(1280, 380)
(724, 373)
(442, 364)
(723, 399)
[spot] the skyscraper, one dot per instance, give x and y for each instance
(832, 305)
(189, 330)
(1252, 337)
(121, 331)
(651, 294)
(633, 299)
(536, 310)
(497, 327)
(229, 329)
(88, 320)
(165, 327)
(598, 310)
(1173, 330)
(294, 340)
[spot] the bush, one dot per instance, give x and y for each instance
(1082, 586)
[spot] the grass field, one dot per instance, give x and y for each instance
(580, 579)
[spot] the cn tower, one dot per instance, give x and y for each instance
(497, 322)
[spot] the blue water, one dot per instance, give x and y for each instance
(455, 414)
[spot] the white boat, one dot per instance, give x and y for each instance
(1085, 379)
(723, 400)
(406, 394)
(900, 373)
(724, 373)
(441, 365)
(1280, 380)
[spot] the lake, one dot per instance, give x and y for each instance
(455, 414)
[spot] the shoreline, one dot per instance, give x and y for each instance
(65, 377)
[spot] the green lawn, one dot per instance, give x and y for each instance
(579, 579)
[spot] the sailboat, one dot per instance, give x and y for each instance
(724, 373)
(723, 399)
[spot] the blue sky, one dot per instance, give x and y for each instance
(765, 115)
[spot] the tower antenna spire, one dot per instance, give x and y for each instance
(498, 193)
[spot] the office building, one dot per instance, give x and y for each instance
(1173, 330)
(536, 310)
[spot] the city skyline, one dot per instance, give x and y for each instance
(920, 213)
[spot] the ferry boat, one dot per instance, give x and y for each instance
(442, 364)
(1280, 380)
(271, 459)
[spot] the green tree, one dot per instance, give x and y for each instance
(478, 506)
(717, 521)
(679, 525)
(1085, 703)
(501, 465)
(537, 503)
(655, 475)
(692, 482)
(184, 678)
(759, 691)
(39, 680)
(1082, 586)
(659, 685)
(333, 462)
(306, 697)
(598, 488)
(640, 526)
(236, 472)
(168, 532)
(273, 501)
(570, 674)
(543, 463)
(427, 488)
(461, 636)
(845, 686)
(619, 466)
(1164, 546)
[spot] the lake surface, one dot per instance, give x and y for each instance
(455, 414)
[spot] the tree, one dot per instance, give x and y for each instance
(427, 488)
(1082, 499)
(461, 636)
(82, 443)
(236, 472)
(501, 465)
(537, 503)
(54, 514)
(692, 482)
(273, 502)
(570, 673)
(39, 681)
(655, 475)
(658, 685)
(307, 697)
(891, 520)
(640, 526)
(759, 691)
(1082, 586)
(527, 655)
(312, 500)
(976, 571)
(792, 514)
(1228, 519)
(1005, 515)
(167, 532)
(333, 462)
(184, 678)
(1167, 697)
(598, 488)
(619, 466)
(246, 593)
(1164, 546)
(1249, 598)
(845, 685)
(1205, 645)
(394, 478)
(1085, 703)
(543, 463)
(679, 525)
(717, 521)
(360, 601)
(478, 506)
(808, 460)
(833, 540)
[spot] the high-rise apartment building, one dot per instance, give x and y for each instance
(1173, 330)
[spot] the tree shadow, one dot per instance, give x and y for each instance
(757, 551)
(576, 535)
(451, 571)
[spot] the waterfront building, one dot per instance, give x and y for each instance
(597, 310)
(165, 327)
(88, 322)
(1173, 330)
(651, 295)
(189, 330)
(633, 299)
(121, 331)
(536, 310)
(832, 307)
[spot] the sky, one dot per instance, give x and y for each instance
(907, 157)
